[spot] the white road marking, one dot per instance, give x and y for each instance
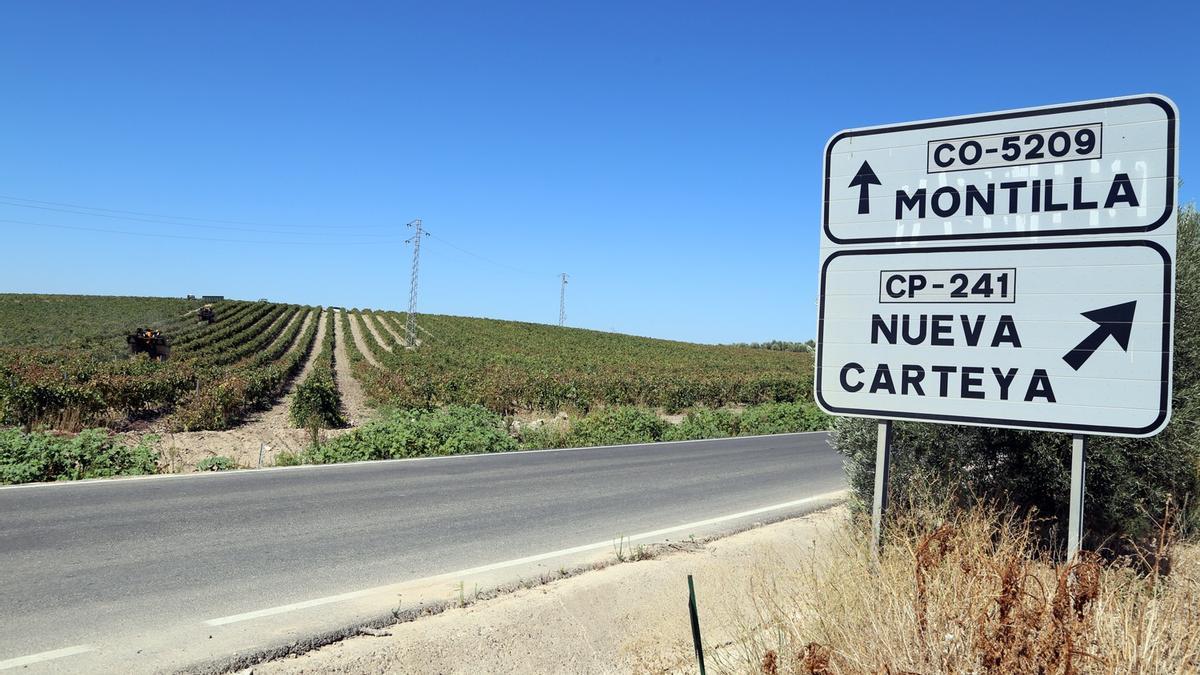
(270, 611)
(347, 465)
(44, 656)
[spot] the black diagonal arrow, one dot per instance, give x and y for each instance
(864, 179)
(1115, 321)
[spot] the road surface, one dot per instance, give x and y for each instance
(188, 571)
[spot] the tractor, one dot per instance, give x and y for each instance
(149, 341)
(206, 314)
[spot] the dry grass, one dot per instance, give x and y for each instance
(969, 593)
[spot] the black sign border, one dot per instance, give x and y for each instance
(1164, 388)
(1139, 100)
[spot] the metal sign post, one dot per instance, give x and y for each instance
(883, 461)
(1078, 475)
(1012, 269)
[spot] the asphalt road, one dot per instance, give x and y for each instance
(134, 574)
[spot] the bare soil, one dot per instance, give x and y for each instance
(356, 332)
(354, 401)
(269, 431)
(316, 349)
(387, 325)
(369, 321)
(629, 617)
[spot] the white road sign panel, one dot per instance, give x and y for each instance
(1100, 167)
(1070, 336)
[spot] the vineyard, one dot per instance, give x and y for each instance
(64, 365)
(510, 367)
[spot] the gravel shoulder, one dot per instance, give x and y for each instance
(630, 617)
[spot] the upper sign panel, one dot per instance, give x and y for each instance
(1100, 167)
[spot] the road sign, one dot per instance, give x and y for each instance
(1027, 277)
(1057, 336)
(1099, 167)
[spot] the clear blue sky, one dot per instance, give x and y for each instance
(667, 155)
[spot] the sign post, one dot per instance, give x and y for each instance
(1012, 269)
(883, 467)
(1078, 478)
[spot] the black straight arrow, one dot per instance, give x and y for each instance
(1115, 321)
(864, 179)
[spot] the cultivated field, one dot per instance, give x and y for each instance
(76, 370)
(64, 364)
(510, 366)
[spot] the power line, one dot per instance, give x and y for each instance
(160, 215)
(163, 235)
(485, 258)
(156, 218)
(162, 222)
(562, 294)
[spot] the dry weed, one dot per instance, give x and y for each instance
(971, 593)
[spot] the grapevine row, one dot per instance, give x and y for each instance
(238, 390)
(224, 329)
(317, 402)
(512, 366)
(377, 350)
(212, 353)
(184, 328)
(254, 340)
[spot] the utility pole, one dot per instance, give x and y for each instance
(562, 301)
(410, 325)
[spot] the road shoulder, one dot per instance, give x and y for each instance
(629, 617)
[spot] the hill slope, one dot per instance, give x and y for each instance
(84, 321)
(81, 375)
(509, 366)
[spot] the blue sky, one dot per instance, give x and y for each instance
(666, 155)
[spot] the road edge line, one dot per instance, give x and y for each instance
(516, 562)
(40, 657)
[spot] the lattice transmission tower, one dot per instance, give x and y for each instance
(562, 301)
(410, 325)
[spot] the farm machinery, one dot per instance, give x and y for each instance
(149, 341)
(206, 314)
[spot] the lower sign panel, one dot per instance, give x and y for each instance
(946, 334)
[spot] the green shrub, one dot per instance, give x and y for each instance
(703, 423)
(30, 457)
(1128, 480)
(286, 458)
(317, 403)
(453, 430)
(617, 426)
(218, 463)
(782, 418)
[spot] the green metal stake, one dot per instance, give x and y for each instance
(695, 624)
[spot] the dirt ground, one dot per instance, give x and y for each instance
(354, 401)
(630, 617)
(356, 333)
(391, 329)
(264, 434)
(370, 322)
